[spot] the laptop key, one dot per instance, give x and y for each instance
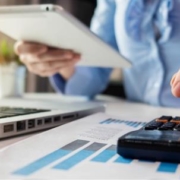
(16, 111)
(31, 111)
(5, 115)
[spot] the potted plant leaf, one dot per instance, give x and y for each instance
(12, 72)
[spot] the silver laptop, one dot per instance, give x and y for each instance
(21, 116)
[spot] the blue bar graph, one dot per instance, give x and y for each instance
(48, 159)
(79, 157)
(128, 123)
(87, 151)
(105, 155)
(107, 121)
(123, 160)
(167, 167)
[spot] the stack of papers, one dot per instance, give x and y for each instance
(84, 149)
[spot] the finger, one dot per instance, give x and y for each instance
(45, 73)
(57, 54)
(49, 73)
(47, 66)
(29, 48)
(77, 57)
(28, 59)
(176, 90)
(173, 79)
(175, 84)
(49, 56)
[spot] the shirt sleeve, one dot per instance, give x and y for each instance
(89, 81)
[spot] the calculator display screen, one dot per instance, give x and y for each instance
(155, 135)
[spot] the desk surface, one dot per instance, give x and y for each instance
(114, 107)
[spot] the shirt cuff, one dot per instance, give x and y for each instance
(58, 83)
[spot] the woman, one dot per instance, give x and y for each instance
(147, 32)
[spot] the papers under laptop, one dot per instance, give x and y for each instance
(21, 116)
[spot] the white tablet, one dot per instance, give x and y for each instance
(51, 25)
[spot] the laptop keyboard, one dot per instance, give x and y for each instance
(14, 111)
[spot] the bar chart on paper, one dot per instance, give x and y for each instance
(89, 151)
(134, 124)
(103, 157)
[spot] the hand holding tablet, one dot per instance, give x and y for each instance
(45, 61)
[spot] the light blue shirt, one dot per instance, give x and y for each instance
(147, 32)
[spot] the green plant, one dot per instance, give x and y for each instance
(7, 54)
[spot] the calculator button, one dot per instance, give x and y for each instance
(150, 128)
(153, 125)
(6, 115)
(177, 127)
(164, 119)
(168, 126)
(176, 120)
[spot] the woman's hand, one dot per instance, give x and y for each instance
(175, 84)
(45, 61)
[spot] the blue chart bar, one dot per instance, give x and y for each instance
(123, 160)
(79, 156)
(105, 155)
(107, 121)
(128, 123)
(167, 167)
(48, 159)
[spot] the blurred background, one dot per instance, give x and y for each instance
(83, 10)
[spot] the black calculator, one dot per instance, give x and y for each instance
(158, 140)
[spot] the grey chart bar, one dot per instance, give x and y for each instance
(75, 145)
(79, 157)
(50, 158)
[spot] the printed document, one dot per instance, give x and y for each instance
(83, 149)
